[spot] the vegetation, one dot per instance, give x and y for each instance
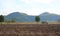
(1, 18)
(44, 22)
(9, 21)
(37, 18)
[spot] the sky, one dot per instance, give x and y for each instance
(30, 7)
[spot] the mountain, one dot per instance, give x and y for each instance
(49, 17)
(22, 17)
(19, 17)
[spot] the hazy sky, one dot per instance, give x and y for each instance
(31, 7)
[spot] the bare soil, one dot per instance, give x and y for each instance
(29, 29)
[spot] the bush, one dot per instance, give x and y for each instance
(44, 22)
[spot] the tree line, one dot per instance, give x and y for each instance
(37, 18)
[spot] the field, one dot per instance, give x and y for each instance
(28, 23)
(29, 29)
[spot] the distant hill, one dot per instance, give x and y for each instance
(19, 17)
(49, 17)
(22, 17)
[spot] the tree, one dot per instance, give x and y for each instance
(37, 18)
(1, 18)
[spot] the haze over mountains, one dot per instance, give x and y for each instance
(22, 17)
(19, 17)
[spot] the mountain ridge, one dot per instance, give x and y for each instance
(19, 17)
(22, 17)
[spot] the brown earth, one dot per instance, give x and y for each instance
(30, 30)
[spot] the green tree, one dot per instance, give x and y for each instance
(37, 18)
(1, 18)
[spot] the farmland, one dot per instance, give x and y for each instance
(29, 29)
